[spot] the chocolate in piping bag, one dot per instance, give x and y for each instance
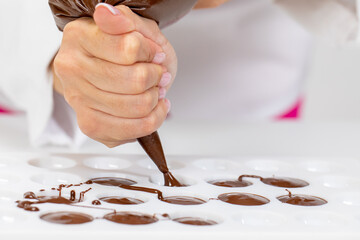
(164, 12)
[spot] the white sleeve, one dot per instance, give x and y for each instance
(336, 21)
(29, 39)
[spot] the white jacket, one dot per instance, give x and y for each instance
(242, 33)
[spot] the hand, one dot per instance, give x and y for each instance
(114, 71)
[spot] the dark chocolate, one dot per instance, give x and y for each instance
(131, 218)
(285, 182)
(230, 183)
(195, 221)
(121, 200)
(67, 218)
(183, 200)
(111, 181)
(301, 200)
(164, 12)
(245, 199)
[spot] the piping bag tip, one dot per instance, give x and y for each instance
(153, 148)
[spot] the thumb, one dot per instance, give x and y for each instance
(111, 20)
(121, 19)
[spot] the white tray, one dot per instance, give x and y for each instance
(336, 180)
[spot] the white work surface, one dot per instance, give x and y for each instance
(326, 155)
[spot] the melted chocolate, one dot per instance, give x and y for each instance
(67, 218)
(180, 200)
(230, 183)
(152, 146)
(195, 221)
(131, 218)
(184, 200)
(122, 200)
(285, 182)
(301, 200)
(111, 181)
(96, 202)
(29, 195)
(164, 12)
(245, 199)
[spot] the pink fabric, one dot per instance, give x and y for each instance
(4, 110)
(294, 112)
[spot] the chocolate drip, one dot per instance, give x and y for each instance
(131, 218)
(152, 146)
(301, 200)
(122, 200)
(195, 221)
(67, 218)
(230, 183)
(245, 199)
(143, 189)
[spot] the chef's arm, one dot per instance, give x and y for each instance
(336, 21)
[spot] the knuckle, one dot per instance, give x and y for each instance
(73, 97)
(141, 75)
(130, 47)
(144, 105)
(149, 125)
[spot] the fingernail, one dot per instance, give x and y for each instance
(168, 104)
(159, 58)
(162, 93)
(165, 80)
(112, 9)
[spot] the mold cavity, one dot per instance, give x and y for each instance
(332, 181)
(196, 219)
(148, 164)
(215, 164)
(351, 198)
(245, 199)
(11, 217)
(8, 179)
(230, 183)
(184, 200)
(260, 218)
(52, 162)
(67, 218)
(121, 200)
(301, 200)
(285, 182)
(7, 196)
(267, 165)
(131, 218)
(158, 179)
(52, 179)
(112, 181)
(320, 219)
(320, 166)
(107, 163)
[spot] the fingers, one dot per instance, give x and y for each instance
(120, 20)
(124, 106)
(109, 129)
(125, 49)
(114, 78)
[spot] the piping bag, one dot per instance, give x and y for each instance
(164, 12)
